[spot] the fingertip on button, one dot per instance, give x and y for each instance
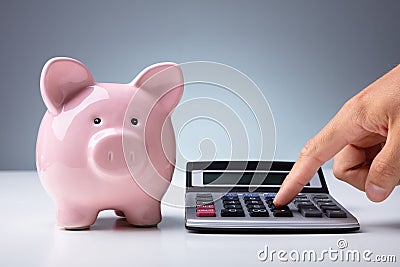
(278, 200)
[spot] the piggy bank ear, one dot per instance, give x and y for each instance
(61, 78)
(165, 81)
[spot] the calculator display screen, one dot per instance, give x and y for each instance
(257, 175)
(244, 178)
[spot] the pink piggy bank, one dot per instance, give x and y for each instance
(107, 146)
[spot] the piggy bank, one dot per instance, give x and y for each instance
(105, 146)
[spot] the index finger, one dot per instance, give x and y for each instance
(319, 149)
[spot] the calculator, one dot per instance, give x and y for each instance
(238, 196)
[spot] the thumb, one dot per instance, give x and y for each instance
(384, 173)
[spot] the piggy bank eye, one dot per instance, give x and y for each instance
(97, 121)
(134, 121)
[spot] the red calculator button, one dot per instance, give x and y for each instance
(205, 212)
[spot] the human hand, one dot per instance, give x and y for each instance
(364, 137)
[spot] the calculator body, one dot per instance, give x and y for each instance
(238, 196)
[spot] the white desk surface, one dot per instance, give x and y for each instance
(28, 236)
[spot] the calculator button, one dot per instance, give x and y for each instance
(231, 202)
(205, 212)
(298, 202)
(310, 212)
(232, 213)
(269, 195)
(258, 213)
(248, 195)
(204, 202)
(251, 206)
(327, 205)
(324, 201)
(320, 197)
(230, 197)
(252, 199)
(336, 214)
(209, 206)
(201, 202)
(301, 197)
(204, 198)
(324, 208)
(228, 206)
(281, 207)
(282, 212)
(305, 206)
(330, 203)
(254, 202)
(203, 195)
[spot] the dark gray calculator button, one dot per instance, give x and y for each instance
(301, 197)
(336, 214)
(282, 212)
(247, 198)
(325, 205)
(230, 198)
(323, 201)
(231, 202)
(306, 206)
(297, 202)
(320, 197)
(254, 202)
(246, 195)
(227, 206)
(258, 213)
(272, 207)
(255, 206)
(310, 212)
(232, 213)
(324, 208)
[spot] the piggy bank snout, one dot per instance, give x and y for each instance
(109, 155)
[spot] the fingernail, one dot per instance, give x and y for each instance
(375, 193)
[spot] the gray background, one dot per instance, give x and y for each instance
(308, 57)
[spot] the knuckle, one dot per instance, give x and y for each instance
(356, 107)
(337, 168)
(309, 151)
(383, 169)
(339, 172)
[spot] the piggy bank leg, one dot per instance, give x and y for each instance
(146, 214)
(75, 218)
